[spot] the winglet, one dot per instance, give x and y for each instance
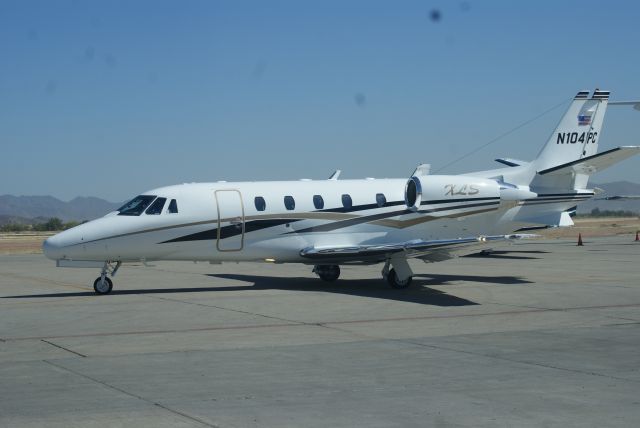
(335, 175)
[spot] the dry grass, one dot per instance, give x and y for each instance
(593, 227)
(22, 242)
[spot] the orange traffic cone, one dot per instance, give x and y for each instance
(580, 244)
(637, 237)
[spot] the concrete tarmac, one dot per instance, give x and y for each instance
(539, 333)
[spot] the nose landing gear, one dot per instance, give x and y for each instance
(102, 284)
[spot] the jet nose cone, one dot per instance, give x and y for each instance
(52, 247)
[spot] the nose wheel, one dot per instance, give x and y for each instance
(103, 284)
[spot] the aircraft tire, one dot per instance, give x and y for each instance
(394, 282)
(100, 288)
(328, 273)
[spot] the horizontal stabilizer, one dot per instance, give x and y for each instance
(635, 104)
(511, 162)
(594, 163)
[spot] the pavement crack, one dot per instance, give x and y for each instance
(511, 360)
(130, 394)
(63, 348)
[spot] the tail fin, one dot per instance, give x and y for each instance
(577, 134)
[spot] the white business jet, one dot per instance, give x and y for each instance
(328, 223)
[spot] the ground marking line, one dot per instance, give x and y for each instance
(63, 348)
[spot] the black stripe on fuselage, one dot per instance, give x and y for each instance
(545, 195)
(231, 230)
(255, 225)
(444, 201)
(359, 207)
(381, 216)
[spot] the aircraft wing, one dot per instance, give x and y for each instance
(427, 250)
(595, 163)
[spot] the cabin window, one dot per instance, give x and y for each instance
(347, 203)
(156, 207)
(261, 205)
(318, 202)
(381, 200)
(136, 206)
(289, 203)
(173, 207)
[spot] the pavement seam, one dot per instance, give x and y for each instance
(229, 309)
(292, 323)
(133, 333)
(63, 348)
(130, 394)
(531, 363)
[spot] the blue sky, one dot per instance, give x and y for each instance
(112, 98)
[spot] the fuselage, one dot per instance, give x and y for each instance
(274, 221)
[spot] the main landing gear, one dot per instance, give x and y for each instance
(102, 284)
(400, 275)
(396, 271)
(327, 273)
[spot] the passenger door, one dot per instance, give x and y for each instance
(230, 220)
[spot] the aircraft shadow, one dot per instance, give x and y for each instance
(507, 255)
(371, 288)
(419, 292)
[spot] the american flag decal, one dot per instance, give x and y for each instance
(583, 119)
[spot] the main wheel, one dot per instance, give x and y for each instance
(102, 287)
(394, 282)
(327, 273)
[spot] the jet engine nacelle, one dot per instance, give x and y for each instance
(459, 188)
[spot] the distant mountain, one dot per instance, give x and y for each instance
(23, 209)
(617, 188)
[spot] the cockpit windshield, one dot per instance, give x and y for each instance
(137, 205)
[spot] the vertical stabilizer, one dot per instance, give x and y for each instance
(577, 134)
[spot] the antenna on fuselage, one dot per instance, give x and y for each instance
(422, 169)
(335, 175)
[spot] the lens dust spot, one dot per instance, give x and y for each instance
(51, 87)
(89, 54)
(360, 99)
(435, 15)
(110, 60)
(259, 69)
